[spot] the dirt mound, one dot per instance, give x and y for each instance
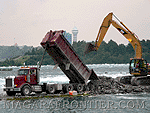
(109, 85)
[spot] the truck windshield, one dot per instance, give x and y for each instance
(23, 72)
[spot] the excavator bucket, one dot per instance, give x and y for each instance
(89, 47)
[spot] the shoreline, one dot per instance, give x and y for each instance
(108, 85)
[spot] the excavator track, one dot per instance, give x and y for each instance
(142, 80)
(135, 81)
(138, 68)
(124, 79)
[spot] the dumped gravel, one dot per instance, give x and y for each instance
(111, 85)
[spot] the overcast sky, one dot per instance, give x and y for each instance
(27, 21)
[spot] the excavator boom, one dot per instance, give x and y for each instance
(131, 38)
(138, 66)
(123, 30)
(100, 36)
(103, 29)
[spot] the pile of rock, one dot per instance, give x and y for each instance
(111, 85)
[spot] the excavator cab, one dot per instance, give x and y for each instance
(138, 67)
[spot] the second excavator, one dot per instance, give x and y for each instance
(138, 67)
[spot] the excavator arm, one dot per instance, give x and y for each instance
(102, 31)
(123, 30)
(131, 38)
(143, 69)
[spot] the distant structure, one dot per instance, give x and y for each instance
(16, 45)
(75, 32)
(68, 36)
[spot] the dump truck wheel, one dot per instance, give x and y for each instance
(10, 93)
(50, 89)
(99, 89)
(26, 90)
(79, 88)
(67, 88)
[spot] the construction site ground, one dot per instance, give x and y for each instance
(109, 85)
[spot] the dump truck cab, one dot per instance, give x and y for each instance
(27, 75)
(25, 79)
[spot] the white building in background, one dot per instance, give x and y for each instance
(75, 32)
(68, 36)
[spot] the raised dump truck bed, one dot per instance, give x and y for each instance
(64, 55)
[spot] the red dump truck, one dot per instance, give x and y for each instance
(63, 54)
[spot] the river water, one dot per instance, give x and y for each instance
(104, 103)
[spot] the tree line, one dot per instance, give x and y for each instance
(110, 53)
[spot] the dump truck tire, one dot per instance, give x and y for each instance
(50, 89)
(79, 88)
(67, 88)
(25, 91)
(99, 89)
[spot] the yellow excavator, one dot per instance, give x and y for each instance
(138, 68)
